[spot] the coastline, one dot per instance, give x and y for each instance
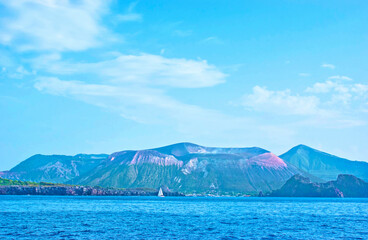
(79, 191)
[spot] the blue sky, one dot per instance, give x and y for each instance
(104, 76)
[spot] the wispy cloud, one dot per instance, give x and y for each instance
(328, 65)
(130, 15)
(132, 87)
(135, 86)
(141, 104)
(150, 106)
(304, 74)
(144, 69)
(212, 39)
(19, 72)
(338, 77)
(182, 33)
(52, 25)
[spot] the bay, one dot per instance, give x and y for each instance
(87, 217)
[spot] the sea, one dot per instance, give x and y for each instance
(91, 217)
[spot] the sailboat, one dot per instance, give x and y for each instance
(160, 193)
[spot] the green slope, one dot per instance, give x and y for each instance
(9, 182)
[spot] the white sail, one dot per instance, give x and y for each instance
(160, 193)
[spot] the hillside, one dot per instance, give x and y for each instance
(9, 182)
(324, 165)
(188, 167)
(53, 168)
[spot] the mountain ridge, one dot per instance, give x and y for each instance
(186, 167)
(53, 168)
(191, 167)
(323, 165)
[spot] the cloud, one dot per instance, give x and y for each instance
(19, 72)
(304, 74)
(136, 103)
(144, 69)
(333, 86)
(327, 65)
(212, 39)
(55, 86)
(135, 86)
(153, 107)
(281, 102)
(52, 25)
(338, 77)
(130, 15)
(148, 106)
(360, 89)
(182, 33)
(340, 92)
(324, 87)
(330, 103)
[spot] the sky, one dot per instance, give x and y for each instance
(104, 76)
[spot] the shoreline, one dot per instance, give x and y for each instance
(53, 190)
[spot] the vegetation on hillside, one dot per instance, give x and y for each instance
(9, 182)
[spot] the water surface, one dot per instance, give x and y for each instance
(68, 217)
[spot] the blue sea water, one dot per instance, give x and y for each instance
(62, 217)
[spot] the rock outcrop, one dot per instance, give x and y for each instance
(345, 186)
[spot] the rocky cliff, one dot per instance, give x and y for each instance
(16, 187)
(345, 186)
